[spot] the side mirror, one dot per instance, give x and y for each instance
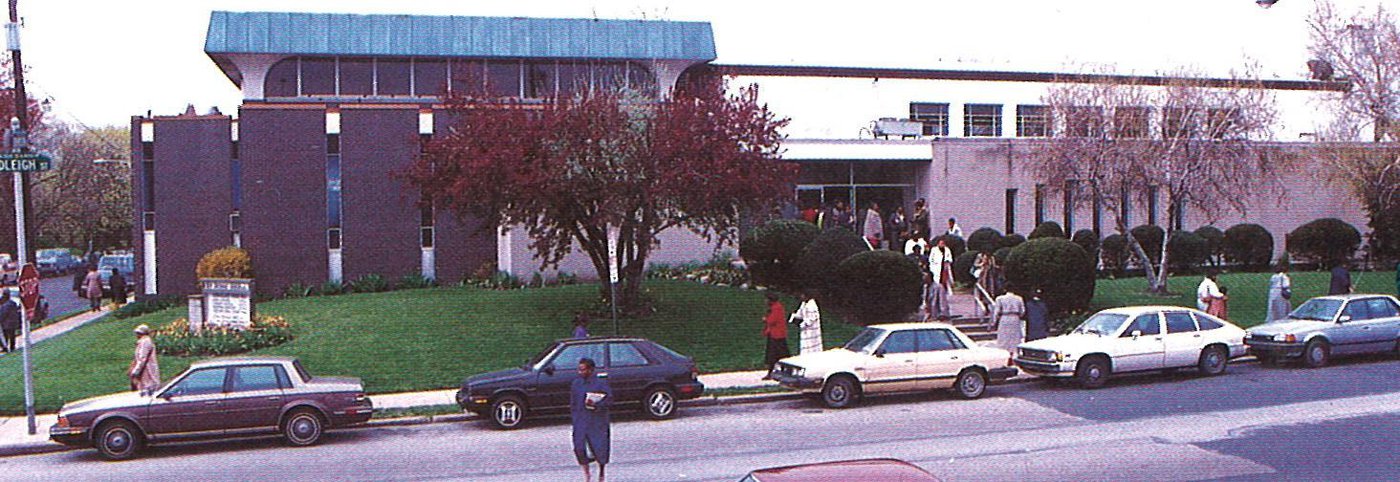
(548, 370)
(880, 353)
(1137, 333)
(1344, 319)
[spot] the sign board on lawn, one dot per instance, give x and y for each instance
(196, 303)
(228, 302)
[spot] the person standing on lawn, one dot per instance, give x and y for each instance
(774, 332)
(92, 287)
(809, 319)
(9, 319)
(1341, 279)
(1280, 291)
(590, 399)
(145, 368)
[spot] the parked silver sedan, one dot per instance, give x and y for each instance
(1327, 326)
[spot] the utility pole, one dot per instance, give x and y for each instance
(19, 144)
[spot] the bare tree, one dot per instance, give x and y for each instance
(1200, 146)
(1362, 48)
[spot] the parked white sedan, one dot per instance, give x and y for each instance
(1134, 339)
(901, 357)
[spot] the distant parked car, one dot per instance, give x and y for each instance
(899, 357)
(124, 263)
(1134, 339)
(56, 261)
(216, 397)
(1330, 325)
(9, 269)
(641, 372)
(865, 470)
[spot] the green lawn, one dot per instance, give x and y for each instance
(1248, 291)
(420, 339)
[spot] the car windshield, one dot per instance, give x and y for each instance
(48, 253)
(119, 262)
(864, 342)
(535, 360)
(1102, 324)
(1316, 309)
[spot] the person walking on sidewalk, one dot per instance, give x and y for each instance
(145, 368)
(9, 319)
(1008, 313)
(590, 399)
(775, 332)
(809, 319)
(92, 288)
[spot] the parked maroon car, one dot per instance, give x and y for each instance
(217, 397)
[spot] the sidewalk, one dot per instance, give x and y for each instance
(14, 431)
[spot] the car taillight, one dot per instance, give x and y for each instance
(361, 398)
(62, 422)
(694, 372)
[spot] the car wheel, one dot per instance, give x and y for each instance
(659, 403)
(118, 440)
(1316, 354)
(302, 427)
(1213, 361)
(839, 392)
(971, 383)
(1092, 373)
(507, 412)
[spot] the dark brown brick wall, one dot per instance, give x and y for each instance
(381, 219)
(192, 196)
(461, 246)
(283, 152)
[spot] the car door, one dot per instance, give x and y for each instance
(1140, 346)
(941, 357)
(193, 404)
(895, 365)
(1183, 342)
(255, 396)
(629, 371)
(1383, 329)
(559, 372)
(1350, 332)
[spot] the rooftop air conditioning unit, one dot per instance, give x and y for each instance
(904, 128)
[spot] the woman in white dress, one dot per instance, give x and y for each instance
(1280, 290)
(1008, 315)
(809, 319)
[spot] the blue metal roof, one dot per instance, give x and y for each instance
(452, 36)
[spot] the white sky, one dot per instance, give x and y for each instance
(103, 61)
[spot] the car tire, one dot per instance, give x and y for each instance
(303, 427)
(1214, 360)
(1092, 372)
(1316, 354)
(839, 392)
(118, 440)
(508, 412)
(659, 403)
(970, 384)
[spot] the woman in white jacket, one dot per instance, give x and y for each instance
(809, 319)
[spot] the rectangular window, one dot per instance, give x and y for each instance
(333, 191)
(236, 183)
(1098, 213)
(332, 143)
(356, 76)
(1152, 205)
(318, 76)
(148, 150)
(503, 78)
(425, 236)
(1178, 215)
(573, 78)
(391, 77)
(1084, 121)
(429, 77)
(982, 120)
(1131, 122)
(1178, 122)
(148, 185)
(1010, 211)
(539, 79)
(1070, 187)
(148, 220)
(1222, 123)
(933, 116)
(235, 222)
(333, 238)
(1032, 121)
(424, 140)
(1039, 204)
(1125, 207)
(468, 78)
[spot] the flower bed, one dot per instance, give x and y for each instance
(177, 340)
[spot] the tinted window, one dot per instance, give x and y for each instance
(1382, 308)
(318, 76)
(1180, 322)
(301, 372)
(625, 355)
(281, 79)
(391, 77)
(209, 380)
(1147, 324)
(937, 340)
(356, 77)
(247, 379)
(1357, 311)
(1207, 322)
(429, 77)
(569, 356)
(901, 342)
(503, 78)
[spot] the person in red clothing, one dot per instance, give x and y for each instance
(775, 332)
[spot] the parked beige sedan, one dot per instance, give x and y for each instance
(895, 358)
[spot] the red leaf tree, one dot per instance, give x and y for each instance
(569, 169)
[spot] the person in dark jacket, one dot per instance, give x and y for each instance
(9, 319)
(590, 399)
(118, 283)
(1341, 280)
(1037, 317)
(78, 279)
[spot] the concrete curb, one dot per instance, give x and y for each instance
(34, 449)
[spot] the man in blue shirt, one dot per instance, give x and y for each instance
(590, 398)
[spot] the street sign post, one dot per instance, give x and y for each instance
(24, 162)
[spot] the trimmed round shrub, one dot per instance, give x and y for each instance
(1186, 250)
(1013, 240)
(771, 251)
(985, 240)
(1058, 267)
(1214, 238)
(1048, 229)
(819, 259)
(1249, 245)
(1001, 255)
(1323, 241)
(1150, 238)
(877, 287)
(1087, 239)
(229, 262)
(955, 244)
(962, 268)
(1114, 252)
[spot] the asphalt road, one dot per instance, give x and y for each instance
(59, 292)
(1254, 423)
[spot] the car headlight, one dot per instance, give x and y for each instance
(1285, 337)
(799, 372)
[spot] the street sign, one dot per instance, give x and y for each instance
(24, 162)
(29, 286)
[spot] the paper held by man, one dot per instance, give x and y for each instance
(591, 399)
